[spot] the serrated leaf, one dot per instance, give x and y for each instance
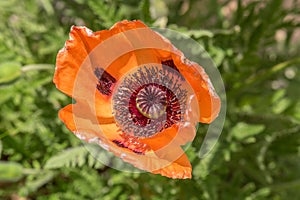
(73, 157)
(67, 158)
(35, 184)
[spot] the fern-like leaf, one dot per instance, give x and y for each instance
(73, 157)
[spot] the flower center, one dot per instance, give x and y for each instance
(149, 99)
(151, 102)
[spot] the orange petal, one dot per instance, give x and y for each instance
(75, 80)
(180, 168)
(152, 162)
(70, 58)
(82, 41)
(157, 161)
(157, 49)
(208, 100)
(66, 116)
(166, 145)
(127, 48)
(78, 117)
(126, 25)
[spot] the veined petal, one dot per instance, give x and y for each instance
(163, 153)
(208, 101)
(70, 58)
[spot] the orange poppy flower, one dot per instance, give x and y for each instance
(136, 95)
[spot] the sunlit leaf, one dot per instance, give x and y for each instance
(242, 130)
(9, 71)
(10, 171)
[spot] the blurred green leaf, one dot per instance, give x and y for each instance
(199, 33)
(9, 71)
(242, 130)
(145, 11)
(39, 181)
(10, 171)
(1, 146)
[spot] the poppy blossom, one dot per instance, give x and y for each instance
(136, 95)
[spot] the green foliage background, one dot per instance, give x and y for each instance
(255, 45)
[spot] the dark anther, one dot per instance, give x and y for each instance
(122, 145)
(105, 81)
(138, 152)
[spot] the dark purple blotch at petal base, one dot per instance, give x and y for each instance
(105, 81)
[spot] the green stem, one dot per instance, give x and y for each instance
(284, 186)
(29, 171)
(27, 68)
